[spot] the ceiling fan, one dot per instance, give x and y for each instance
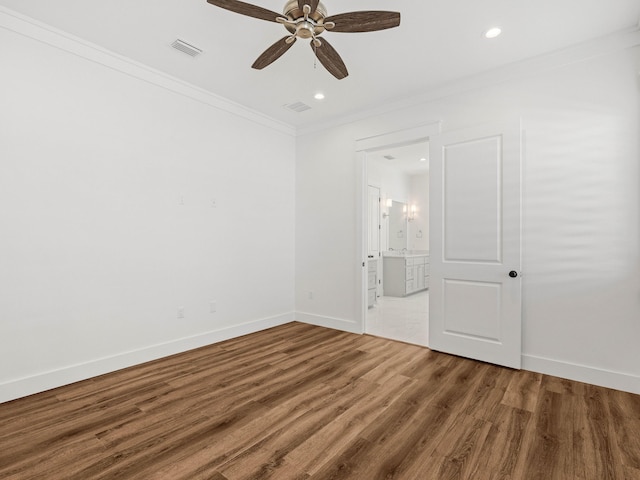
(308, 19)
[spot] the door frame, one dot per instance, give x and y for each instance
(363, 147)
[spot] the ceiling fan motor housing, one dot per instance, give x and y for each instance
(304, 28)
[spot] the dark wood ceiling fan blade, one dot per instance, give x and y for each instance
(273, 53)
(312, 3)
(366, 21)
(330, 59)
(246, 9)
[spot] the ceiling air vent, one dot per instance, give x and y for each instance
(187, 48)
(298, 107)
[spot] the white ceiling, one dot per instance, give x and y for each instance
(406, 158)
(438, 41)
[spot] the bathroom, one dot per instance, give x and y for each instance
(398, 243)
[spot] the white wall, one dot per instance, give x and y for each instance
(107, 183)
(419, 227)
(581, 213)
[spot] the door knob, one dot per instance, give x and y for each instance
(513, 274)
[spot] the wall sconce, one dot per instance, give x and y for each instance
(412, 213)
(388, 204)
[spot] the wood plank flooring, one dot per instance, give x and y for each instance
(303, 402)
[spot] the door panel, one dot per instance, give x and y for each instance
(475, 306)
(478, 316)
(472, 229)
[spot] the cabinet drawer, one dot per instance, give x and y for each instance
(373, 265)
(371, 280)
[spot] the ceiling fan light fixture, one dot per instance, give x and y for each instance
(493, 32)
(307, 19)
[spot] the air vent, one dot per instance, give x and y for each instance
(298, 107)
(389, 157)
(187, 48)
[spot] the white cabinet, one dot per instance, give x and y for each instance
(372, 282)
(404, 275)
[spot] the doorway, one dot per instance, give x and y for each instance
(398, 242)
(475, 304)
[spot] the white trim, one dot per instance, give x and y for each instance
(614, 42)
(399, 138)
(582, 373)
(74, 373)
(55, 38)
(329, 322)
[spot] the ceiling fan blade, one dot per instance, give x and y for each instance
(273, 53)
(312, 3)
(246, 9)
(366, 21)
(330, 59)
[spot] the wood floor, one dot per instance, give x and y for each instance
(304, 402)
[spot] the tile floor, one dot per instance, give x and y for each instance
(404, 319)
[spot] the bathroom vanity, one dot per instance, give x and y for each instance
(405, 273)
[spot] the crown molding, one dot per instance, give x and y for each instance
(31, 28)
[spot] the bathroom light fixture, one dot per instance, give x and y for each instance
(412, 213)
(493, 32)
(388, 203)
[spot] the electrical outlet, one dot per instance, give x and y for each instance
(180, 312)
(213, 307)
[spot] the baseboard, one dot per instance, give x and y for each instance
(582, 373)
(329, 322)
(74, 373)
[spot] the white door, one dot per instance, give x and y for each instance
(374, 222)
(475, 296)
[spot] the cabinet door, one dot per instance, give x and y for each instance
(409, 287)
(409, 273)
(419, 277)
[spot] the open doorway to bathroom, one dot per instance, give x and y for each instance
(398, 242)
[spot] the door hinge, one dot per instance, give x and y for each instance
(363, 264)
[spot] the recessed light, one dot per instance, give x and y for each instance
(423, 159)
(493, 32)
(319, 96)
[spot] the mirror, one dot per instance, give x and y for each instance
(397, 226)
